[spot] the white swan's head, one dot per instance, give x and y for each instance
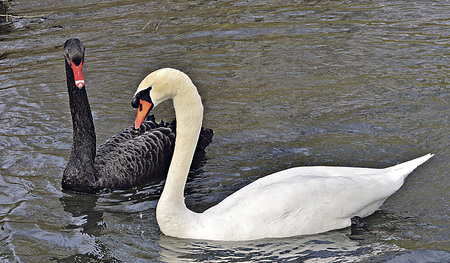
(158, 86)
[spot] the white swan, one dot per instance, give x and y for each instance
(297, 201)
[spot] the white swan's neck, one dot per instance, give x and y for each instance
(171, 211)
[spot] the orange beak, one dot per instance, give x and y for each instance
(143, 109)
(78, 74)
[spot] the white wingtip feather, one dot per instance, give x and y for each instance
(409, 166)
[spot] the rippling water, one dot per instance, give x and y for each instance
(284, 83)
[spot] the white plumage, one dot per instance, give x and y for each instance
(296, 201)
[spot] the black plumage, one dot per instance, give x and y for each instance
(127, 159)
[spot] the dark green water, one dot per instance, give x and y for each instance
(284, 83)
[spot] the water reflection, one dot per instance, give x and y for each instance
(331, 247)
(85, 216)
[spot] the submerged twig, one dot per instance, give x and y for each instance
(146, 25)
(25, 16)
(156, 29)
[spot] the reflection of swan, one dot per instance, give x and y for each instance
(127, 159)
(333, 246)
(83, 206)
(297, 201)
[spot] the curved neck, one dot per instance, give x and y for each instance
(80, 169)
(189, 114)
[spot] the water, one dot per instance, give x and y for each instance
(284, 83)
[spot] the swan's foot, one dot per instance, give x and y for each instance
(358, 222)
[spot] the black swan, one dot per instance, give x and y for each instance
(131, 157)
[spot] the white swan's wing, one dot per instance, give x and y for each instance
(303, 204)
(305, 200)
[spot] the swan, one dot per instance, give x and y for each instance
(296, 201)
(129, 158)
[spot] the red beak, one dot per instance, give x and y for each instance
(78, 74)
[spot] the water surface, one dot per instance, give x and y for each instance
(284, 83)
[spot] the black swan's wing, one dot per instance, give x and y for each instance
(129, 159)
(132, 158)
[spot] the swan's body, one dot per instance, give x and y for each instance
(127, 159)
(297, 201)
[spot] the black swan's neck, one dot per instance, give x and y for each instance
(79, 174)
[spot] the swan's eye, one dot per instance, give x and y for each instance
(135, 102)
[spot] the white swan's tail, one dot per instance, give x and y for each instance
(403, 169)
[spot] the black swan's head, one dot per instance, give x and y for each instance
(74, 55)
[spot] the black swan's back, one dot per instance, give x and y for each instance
(132, 158)
(129, 158)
